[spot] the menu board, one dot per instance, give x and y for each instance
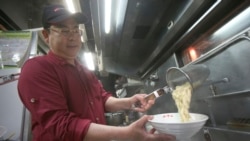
(13, 46)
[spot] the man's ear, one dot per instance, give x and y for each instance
(45, 35)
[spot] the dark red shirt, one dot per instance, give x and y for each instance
(63, 99)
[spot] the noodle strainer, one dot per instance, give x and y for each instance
(193, 74)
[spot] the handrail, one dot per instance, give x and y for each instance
(9, 78)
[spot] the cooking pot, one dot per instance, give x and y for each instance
(115, 119)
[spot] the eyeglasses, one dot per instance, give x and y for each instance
(67, 32)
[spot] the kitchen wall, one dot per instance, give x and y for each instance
(226, 103)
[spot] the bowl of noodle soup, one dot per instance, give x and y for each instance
(182, 124)
(171, 123)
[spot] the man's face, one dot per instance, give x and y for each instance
(64, 39)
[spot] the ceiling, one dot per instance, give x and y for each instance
(146, 34)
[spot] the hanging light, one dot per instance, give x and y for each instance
(71, 6)
(88, 57)
(107, 15)
(193, 54)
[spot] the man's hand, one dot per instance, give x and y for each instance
(140, 104)
(138, 132)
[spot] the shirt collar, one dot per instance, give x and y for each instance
(61, 61)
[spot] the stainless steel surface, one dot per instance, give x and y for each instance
(228, 61)
(199, 30)
(159, 33)
(116, 119)
(121, 49)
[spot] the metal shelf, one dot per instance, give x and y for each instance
(8, 78)
(230, 129)
(230, 94)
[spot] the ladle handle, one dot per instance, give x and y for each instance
(148, 97)
(155, 94)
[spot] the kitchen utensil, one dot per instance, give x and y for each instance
(170, 123)
(193, 74)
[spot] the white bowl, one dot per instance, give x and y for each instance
(171, 123)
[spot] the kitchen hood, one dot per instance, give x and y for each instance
(145, 30)
(142, 34)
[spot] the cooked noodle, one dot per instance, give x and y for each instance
(182, 97)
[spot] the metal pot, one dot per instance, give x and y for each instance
(115, 118)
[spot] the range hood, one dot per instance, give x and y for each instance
(144, 36)
(149, 28)
(143, 33)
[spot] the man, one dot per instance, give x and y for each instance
(66, 101)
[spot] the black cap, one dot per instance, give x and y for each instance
(53, 14)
